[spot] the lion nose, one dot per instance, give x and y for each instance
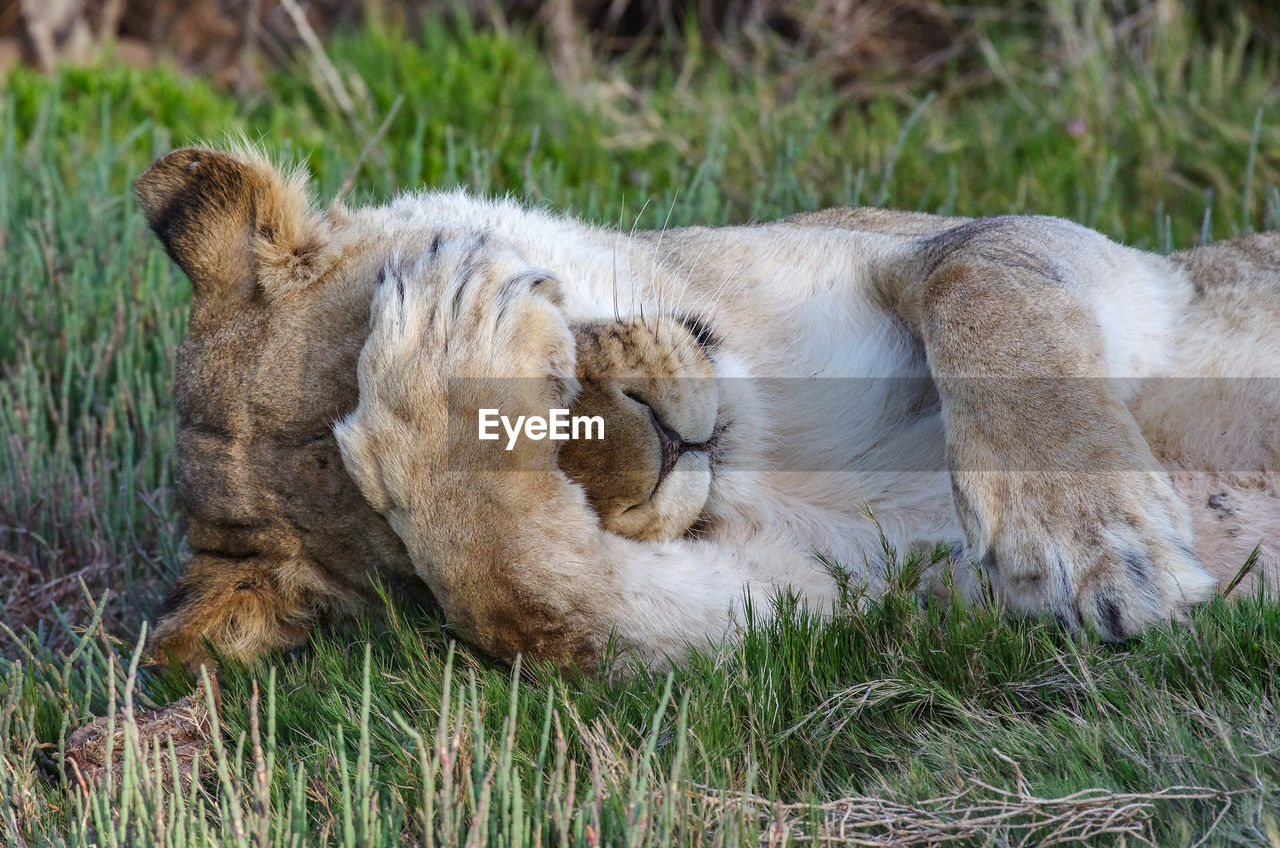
(672, 446)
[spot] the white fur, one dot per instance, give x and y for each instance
(788, 302)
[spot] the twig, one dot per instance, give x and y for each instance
(349, 179)
(571, 53)
(80, 781)
(252, 26)
(39, 33)
(325, 67)
(1216, 821)
(109, 25)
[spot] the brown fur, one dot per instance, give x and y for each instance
(280, 535)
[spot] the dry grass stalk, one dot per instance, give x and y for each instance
(1016, 818)
(324, 67)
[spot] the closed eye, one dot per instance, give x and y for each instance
(701, 332)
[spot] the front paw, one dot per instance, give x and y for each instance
(463, 328)
(1109, 549)
(509, 361)
(466, 311)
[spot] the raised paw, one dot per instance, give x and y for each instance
(465, 310)
(1112, 550)
(463, 328)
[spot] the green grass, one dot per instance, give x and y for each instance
(1157, 139)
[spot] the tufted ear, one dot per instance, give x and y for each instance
(219, 215)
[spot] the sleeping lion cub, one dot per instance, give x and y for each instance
(1074, 415)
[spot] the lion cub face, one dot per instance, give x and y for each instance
(653, 384)
(280, 534)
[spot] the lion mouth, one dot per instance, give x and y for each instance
(672, 444)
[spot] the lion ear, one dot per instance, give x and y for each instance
(221, 215)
